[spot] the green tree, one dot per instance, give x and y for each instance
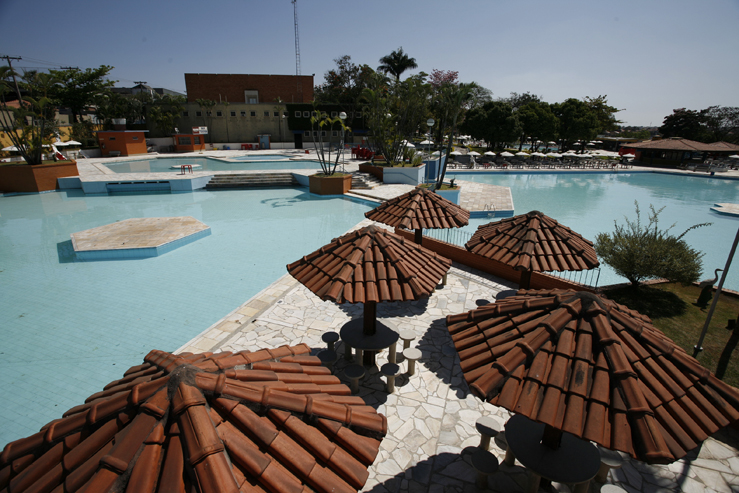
(77, 88)
(344, 84)
(165, 112)
(393, 112)
(639, 252)
(396, 63)
(605, 114)
(537, 122)
(494, 122)
(576, 122)
(722, 124)
(450, 102)
(30, 121)
(688, 124)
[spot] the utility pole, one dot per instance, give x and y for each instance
(17, 90)
(297, 49)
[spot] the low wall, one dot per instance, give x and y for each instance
(375, 171)
(405, 176)
(458, 254)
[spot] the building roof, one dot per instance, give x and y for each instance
(673, 144)
(533, 242)
(420, 209)
(370, 264)
(588, 366)
(724, 146)
(270, 420)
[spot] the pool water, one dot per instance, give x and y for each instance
(589, 204)
(69, 328)
(263, 157)
(164, 165)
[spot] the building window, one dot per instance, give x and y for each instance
(307, 133)
(197, 139)
(315, 133)
(286, 115)
(243, 113)
(198, 113)
(334, 114)
(185, 114)
(135, 138)
(251, 97)
(219, 113)
(306, 114)
(297, 114)
(253, 113)
(111, 138)
(184, 141)
(334, 133)
(233, 113)
(323, 133)
(276, 114)
(266, 113)
(313, 114)
(208, 113)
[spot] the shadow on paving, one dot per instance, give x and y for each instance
(451, 472)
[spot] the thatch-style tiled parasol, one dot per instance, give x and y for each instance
(271, 420)
(533, 242)
(368, 266)
(420, 209)
(585, 365)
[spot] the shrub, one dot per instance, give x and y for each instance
(641, 252)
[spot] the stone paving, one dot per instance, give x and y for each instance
(432, 414)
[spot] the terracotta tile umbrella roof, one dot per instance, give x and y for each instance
(420, 209)
(586, 365)
(533, 242)
(206, 423)
(370, 265)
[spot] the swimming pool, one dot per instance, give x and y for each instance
(261, 157)
(165, 165)
(589, 203)
(69, 328)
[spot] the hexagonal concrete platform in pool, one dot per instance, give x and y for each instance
(137, 238)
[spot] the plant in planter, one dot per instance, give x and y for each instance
(322, 123)
(29, 122)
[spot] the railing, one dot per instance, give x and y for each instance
(459, 238)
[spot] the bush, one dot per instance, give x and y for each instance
(639, 253)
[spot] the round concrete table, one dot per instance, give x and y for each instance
(353, 335)
(576, 461)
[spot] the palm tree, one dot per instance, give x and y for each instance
(396, 63)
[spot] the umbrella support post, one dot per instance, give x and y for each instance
(369, 326)
(418, 236)
(525, 281)
(552, 437)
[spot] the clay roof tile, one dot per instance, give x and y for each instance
(594, 368)
(315, 435)
(420, 209)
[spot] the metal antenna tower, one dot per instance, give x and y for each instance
(297, 38)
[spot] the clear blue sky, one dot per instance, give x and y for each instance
(648, 57)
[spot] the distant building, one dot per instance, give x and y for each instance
(246, 105)
(125, 91)
(675, 151)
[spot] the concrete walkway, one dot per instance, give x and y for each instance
(432, 414)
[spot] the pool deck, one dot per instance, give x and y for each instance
(431, 415)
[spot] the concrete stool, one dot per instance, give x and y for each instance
(358, 356)
(408, 336)
(390, 370)
(609, 459)
(347, 352)
(488, 428)
(611, 488)
(330, 338)
(328, 357)
(354, 373)
(412, 355)
(484, 464)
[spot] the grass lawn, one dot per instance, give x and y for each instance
(673, 310)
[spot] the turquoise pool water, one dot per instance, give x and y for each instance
(164, 165)
(263, 157)
(69, 328)
(589, 204)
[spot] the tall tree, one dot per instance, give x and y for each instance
(722, 123)
(451, 100)
(537, 122)
(396, 63)
(493, 122)
(605, 114)
(343, 85)
(688, 124)
(576, 122)
(78, 88)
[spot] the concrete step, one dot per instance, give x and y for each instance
(364, 181)
(252, 180)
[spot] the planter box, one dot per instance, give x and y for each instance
(330, 185)
(407, 176)
(376, 171)
(36, 178)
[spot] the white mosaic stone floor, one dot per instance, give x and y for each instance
(432, 414)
